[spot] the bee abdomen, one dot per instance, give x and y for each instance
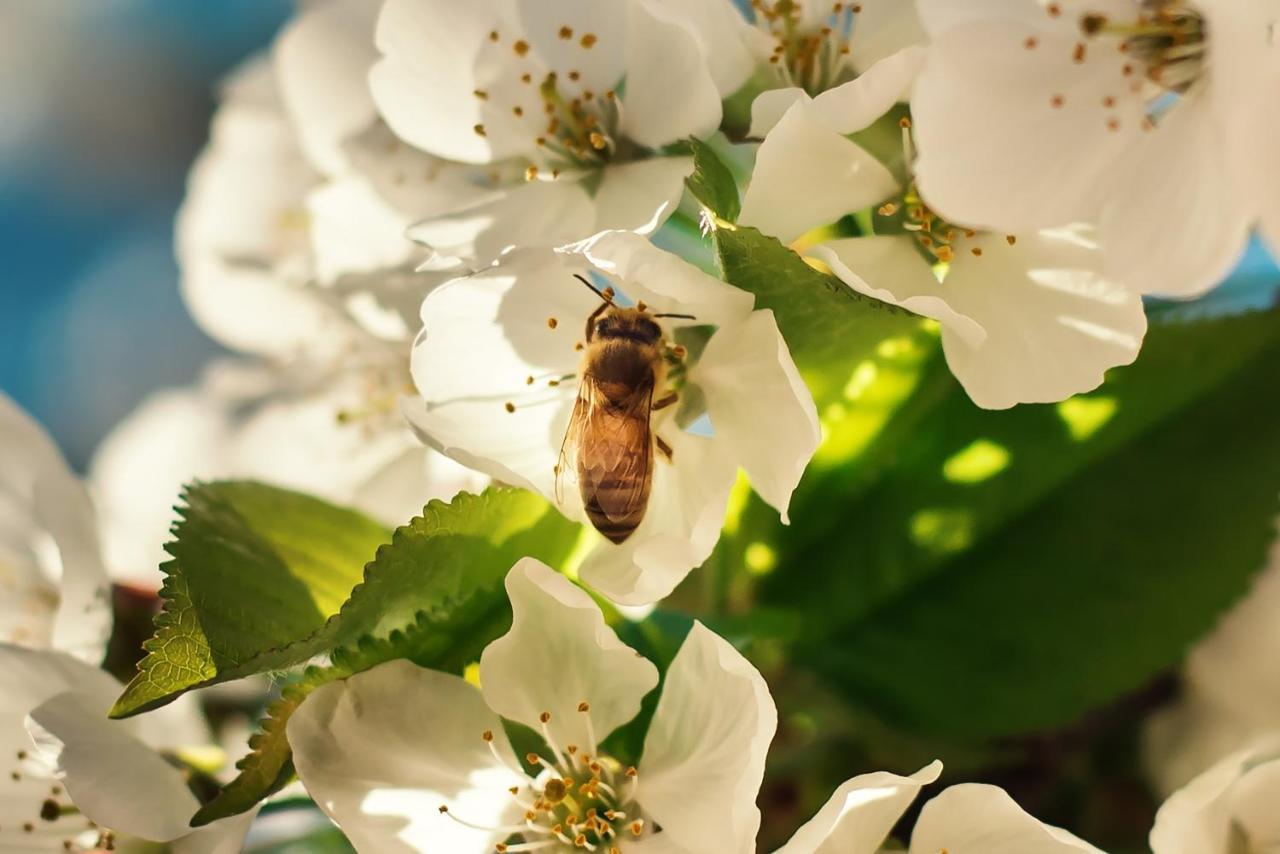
(615, 509)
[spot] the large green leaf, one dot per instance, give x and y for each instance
(1001, 572)
(261, 578)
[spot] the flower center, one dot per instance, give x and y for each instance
(47, 816)
(813, 59)
(579, 799)
(1168, 40)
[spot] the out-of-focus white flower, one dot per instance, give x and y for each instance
(1229, 809)
(75, 780)
(1155, 119)
(53, 585)
(334, 434)
(1025, 318)
(539, 83)
(1231, 688)
(499, 366)
(980, 819)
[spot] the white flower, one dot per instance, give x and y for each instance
(75, 780)
(980, 819)
(407, 759)
(1154, 119)
(539, 83)
(798, 46)
(499, 364)
(53, 585)
(1229, 809)
(1025, 318)
(1231, 688)
(336, 435)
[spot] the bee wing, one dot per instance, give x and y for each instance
(567, 464)
(616, 448)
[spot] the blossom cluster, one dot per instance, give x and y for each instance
(439, 238)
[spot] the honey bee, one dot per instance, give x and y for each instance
(609, 444)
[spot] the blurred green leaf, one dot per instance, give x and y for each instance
(994, 573)
(241, 592)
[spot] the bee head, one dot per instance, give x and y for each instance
(630, 324)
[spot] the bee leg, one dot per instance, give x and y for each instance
(664, 448)
(591, 319)
(664, 402)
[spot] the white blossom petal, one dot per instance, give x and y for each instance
(435, 55)
(759, 405)
(639, 196)
(322, 60)
(978, 819)
(856, 105)
(52, 577)
(771, 105)
(808, 175)
(989, 113)
(705, 750)
(890, 269)
(560, 653)
(881, 29)
(596, 46)
(151, 801)
(860, 814)
(1172, 226)
(381, 752)
(665, 282)
(734, 49)
(1054, 325)
(687, 505)
(483, 337)
(354, 231)
(533, 214)
(1236, 797)
(665, 58)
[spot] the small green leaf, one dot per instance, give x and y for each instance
(254, 568)
(437, 558)
(712, 182)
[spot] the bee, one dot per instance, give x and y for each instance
(609, 444)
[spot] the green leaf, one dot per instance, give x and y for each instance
(1004, 572)
(254, 568)
(437, 558)
(712, 182)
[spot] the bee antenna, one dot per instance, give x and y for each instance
(594, 289)
(681, 316)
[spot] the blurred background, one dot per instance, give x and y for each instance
(103, 106)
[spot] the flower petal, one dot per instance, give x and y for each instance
(889, 268)
(771, 105)
(1172, 225)
(860, 814)
(533, 214)
(483, 337)
(47, 522)
(1197, 818)
(322, 61)
(663, 280)
(1053, 324)
(881, 29)
(560, 653)
(989, 112)
(594, 45)
(705, 750)
(759, 405)
(436, 55)
(28, 678)
(687, 504)
(808, 175)
(663, 58)
(354, 231)
(640, 196)
(151, 801)
(381, 752)
(856, 105)
(978, 819)
(732, 46)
